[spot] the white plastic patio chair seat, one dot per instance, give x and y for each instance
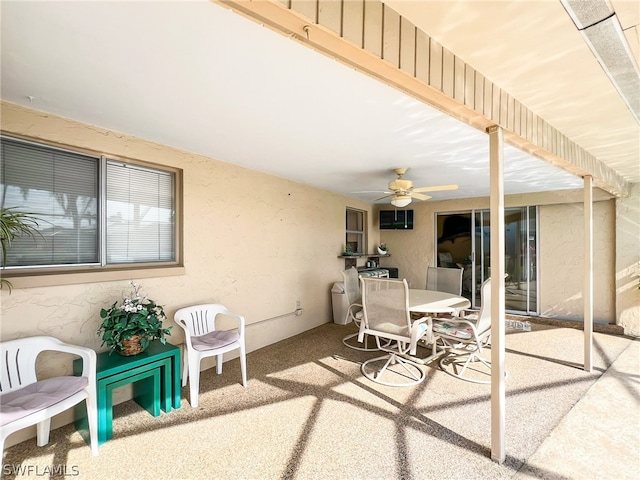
(203, 340)
(27, 401)
(214, 340)
(38, 396)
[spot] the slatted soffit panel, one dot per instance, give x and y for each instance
(362, 33)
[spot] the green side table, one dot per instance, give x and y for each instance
(147, 399)
(155, 374)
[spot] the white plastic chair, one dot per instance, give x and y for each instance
(202, 340)
(386, 317)
(465, 338)
(27, 401)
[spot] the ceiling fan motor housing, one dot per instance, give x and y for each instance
(400, 184)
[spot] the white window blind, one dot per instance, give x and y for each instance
(58, 187)
(131, 222)
(140, 214)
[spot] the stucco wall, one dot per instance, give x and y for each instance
(628, 261)
(562, 261)
(560, 257)
(254, 242)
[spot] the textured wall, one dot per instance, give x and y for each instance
(560, 257)
(275, 242)
(628, 261)
(562, 261)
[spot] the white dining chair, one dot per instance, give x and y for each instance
(445, 279)
(465, 339)
(354, 311)
(386, 317)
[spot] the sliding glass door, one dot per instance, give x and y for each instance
(464, 241)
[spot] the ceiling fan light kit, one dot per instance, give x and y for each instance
(400, 200)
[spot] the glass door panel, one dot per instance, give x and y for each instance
(473, 253)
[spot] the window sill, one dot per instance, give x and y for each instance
(73, 278)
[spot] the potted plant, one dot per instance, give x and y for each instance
(382, 249)
(14, 224)
(128, 327)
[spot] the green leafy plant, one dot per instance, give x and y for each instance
(14, 224)
(348, 250)
(135, 315)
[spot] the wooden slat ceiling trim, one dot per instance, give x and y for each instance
(374, 39)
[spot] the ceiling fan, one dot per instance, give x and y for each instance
(402, 192)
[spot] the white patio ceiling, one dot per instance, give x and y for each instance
(199, 77)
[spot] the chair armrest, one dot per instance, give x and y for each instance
(187, 334)
(89, 357)
(350, 311)
(419, 328)
(355, 305)
(239, 318)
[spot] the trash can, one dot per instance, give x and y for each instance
(340, 304)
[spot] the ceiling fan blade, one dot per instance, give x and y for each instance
(372, 191)
(437, 188)
(386, 196)
(419, 196)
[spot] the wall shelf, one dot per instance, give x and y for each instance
(352, 260)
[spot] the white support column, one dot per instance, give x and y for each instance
(588, 273)
(496, 173)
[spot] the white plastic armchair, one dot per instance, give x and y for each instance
(27, 401)
(202, 340)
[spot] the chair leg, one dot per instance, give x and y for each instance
(185, 367)
(467, 366)
(219, 361)
(194, 381)
(92, 417)
(243, 365)
(42, 432)
(366, 348)
(410, 373)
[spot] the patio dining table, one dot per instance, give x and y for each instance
(433, 301)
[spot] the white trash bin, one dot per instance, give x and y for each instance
(340, 304)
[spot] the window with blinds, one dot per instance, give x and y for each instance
(139, 214)
(131, 222)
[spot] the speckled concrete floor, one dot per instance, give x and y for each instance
(308, 413)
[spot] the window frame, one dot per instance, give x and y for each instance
(362, 214)
(23, 277)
